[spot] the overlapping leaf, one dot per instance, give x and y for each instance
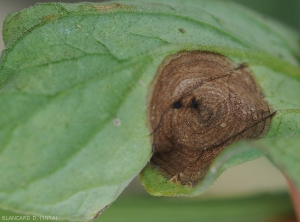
(73, 98)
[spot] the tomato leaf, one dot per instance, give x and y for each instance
(74, 81)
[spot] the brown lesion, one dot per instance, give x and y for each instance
(200, 103)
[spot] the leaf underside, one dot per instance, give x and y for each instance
(74, 80)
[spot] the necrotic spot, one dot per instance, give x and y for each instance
(177, 105)
(194, 104)
(193, 94)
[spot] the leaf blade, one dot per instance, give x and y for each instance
(89, 78)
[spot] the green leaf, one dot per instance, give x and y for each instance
(74, 81)
(72, 119)
(133, 208)
(284, 152)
